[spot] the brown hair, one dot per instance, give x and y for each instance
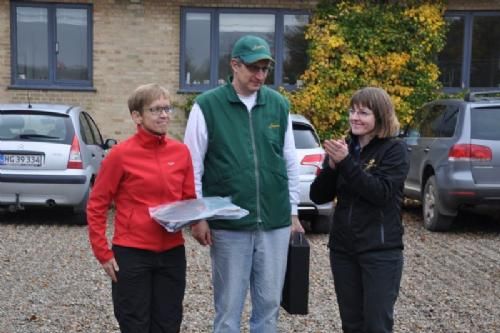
(145, 95)
(377, 100)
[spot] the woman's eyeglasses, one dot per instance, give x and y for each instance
(360, 113)
(157, 110)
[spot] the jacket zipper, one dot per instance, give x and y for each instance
(162, 174)
(382, 236)
(256, 164)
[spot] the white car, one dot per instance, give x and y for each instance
(49, 156)
(310, 155)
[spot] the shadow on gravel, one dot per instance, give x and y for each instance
(37, 216)
(466, 222)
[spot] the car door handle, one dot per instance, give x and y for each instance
(408, 148)
(427, 149)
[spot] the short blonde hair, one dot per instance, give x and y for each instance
(377, 100)
(145, 95)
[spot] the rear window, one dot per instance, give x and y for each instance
(305, 137)
(38, 127)
(484, 123)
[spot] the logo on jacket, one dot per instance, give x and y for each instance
(274, 126)
(370, 165)
(170, 163)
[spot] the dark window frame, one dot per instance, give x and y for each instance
(214, 13)
(51, 83)
(468, 17)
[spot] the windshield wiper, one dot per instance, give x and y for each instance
(41, 136)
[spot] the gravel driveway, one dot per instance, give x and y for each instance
(50, 282)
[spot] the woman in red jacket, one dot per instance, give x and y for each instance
(147, 264)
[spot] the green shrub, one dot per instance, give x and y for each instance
(354, 44)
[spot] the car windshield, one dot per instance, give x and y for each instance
(484, 123)
(304, 136)
(28, 126)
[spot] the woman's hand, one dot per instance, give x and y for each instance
(111, 267)
(336, 150)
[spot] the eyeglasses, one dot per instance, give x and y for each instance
(157, 110)
(255, 68)
(360, 113)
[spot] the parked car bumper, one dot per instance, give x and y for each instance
(308, 209)
(459, 190)
(44, 189)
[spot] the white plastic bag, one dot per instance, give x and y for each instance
(174, 216)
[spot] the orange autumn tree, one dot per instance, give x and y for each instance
(353, 44)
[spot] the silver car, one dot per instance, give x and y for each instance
(454, 150)
(310, 156)
(49, 156)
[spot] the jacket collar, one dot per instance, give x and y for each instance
(354, 141)
(232, 96)
(148, 139)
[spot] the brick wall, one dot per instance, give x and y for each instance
(135, 42)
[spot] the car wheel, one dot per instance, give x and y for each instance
(80, 212)
(321, 224)
(431, 207)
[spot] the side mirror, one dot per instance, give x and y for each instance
(109, 143)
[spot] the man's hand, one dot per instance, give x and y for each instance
(201, 232)
(296, 225)
(111, 267)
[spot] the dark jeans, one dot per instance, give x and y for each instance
(367, 286)
(148, 295)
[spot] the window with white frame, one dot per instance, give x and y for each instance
(208, 34)
(51, 45)
(471, 57)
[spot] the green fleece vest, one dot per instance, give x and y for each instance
(244, 159)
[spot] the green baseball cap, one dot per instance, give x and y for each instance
(251, 49)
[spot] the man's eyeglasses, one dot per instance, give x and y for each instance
(255, 68)
(157, 110)
(360, 113)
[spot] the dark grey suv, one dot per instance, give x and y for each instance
(454, 148)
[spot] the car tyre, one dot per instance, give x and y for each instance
(80, 212)
(431, 208)
(321, 224)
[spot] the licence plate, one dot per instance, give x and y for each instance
(21, 160)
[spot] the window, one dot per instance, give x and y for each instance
(484, 123)
(36, 127)
(304, 137)
(51, 45)
(470, 58)
(208, 34)
(449, 122)
(92, 134)
(427, 121)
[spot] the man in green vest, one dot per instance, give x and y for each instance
(241, 142)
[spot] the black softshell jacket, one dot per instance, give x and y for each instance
(368, 187)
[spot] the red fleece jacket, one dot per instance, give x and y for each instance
(143, 171)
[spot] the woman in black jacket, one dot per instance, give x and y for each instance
(365, 173)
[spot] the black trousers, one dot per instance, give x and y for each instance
(148, 295)
(367, 286)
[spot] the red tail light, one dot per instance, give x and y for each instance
(315, 160)
(468, 152)
(75, 156)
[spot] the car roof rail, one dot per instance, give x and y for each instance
(475, 96)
